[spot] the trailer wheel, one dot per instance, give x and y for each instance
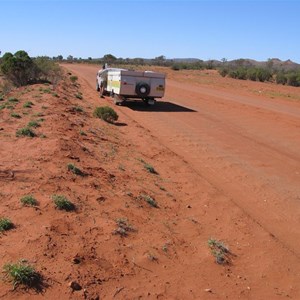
(142, 89)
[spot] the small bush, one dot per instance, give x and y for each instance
(281, 78)
(25, 132)
(62, 203)
(5, 224)
(223, 72)
(15, 115)
(263, 75)
(28, 201)
(106, 113)
(78, 96)
(13, 100)
(251, 74)
(73, 78)
(21, 273)
(33, 124)
(150, 169)
(150, 200)
(77, 109)
(75, 170)
(219, 251)
(293, 79)
(28, 104)
(123, 227)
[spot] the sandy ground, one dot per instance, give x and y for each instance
(228, 163)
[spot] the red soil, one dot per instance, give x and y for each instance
(227, 154)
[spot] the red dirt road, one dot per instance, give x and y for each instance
(246, 146)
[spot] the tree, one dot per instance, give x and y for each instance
(160, 60)
(109, 58)
(18, 68)
(224, 60)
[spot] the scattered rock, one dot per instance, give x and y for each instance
(75, 286)
(76, 260)
(208, 290)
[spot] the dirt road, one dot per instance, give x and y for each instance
(247, 147)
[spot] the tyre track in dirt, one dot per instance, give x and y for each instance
(248, 149)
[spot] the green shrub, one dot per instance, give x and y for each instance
(150, 200)
(241, 73)
(77, 109)
(28, 200)
(175, 67)
(33, 124)
(18, 68)
(219, 250)
(15, 115)
(78, 96)
(62, 203)
(25, 132)
(21, 70)
(150, 169)
(281, 78)
(5, 224)
(293, 79)
(251, 74)
(223, 72)
(106, 113)
(21, 273)
(73, 78)
(263, 75)
(13, 100)
(232, 74)
(123, 227)
(75, 170)
(47, 70)
(28, 104)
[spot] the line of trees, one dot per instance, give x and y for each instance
(291, 77)
(20, 68)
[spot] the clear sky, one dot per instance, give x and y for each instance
(176, 29)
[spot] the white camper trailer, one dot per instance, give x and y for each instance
(124, 84)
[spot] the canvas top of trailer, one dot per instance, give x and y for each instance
(116, 71)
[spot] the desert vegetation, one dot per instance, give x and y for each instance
(21, 273)
(242, 69)
(19, 69)
(106, 113)
(62, 203)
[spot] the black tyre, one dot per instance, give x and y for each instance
(97, 87)
(142, 89)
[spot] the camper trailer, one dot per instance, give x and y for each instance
(124, 85)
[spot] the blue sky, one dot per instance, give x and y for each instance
(198, 29)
